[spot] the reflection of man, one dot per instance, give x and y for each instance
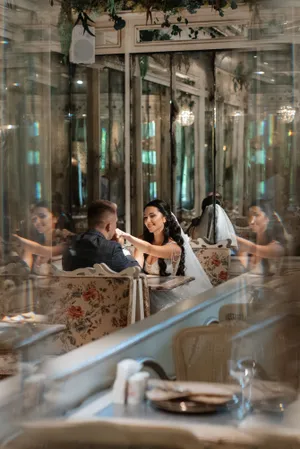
(96, 245)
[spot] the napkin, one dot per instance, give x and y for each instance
(208, 393)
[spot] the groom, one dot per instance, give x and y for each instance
(96, 245)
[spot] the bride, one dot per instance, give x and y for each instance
(164, 250)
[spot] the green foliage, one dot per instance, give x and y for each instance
(169, 8)
(65, 27)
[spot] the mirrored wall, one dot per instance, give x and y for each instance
(222, 121)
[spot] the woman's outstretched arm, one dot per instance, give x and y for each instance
(163, 252)
(272, 250)
(39, 250)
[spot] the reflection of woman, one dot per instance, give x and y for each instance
(203, 226)
(52, 225)
(270, 239)
(50, 232)
(165, 250)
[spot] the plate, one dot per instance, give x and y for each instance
(191, 407)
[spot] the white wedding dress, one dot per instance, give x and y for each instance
(160, 300)
(224, 227)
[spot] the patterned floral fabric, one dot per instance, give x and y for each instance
(215, 262)
(8, 363)
(89, 307)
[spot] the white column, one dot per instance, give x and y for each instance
(127, 144)
(200, 180)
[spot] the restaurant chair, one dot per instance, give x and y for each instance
(233, 312)
(215, 259)
(27, 343)
(8, 363)
(141, 290)
(141, 297)
(201, 353)
(16, 296)
(89, 306)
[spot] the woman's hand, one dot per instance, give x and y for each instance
(244, 244)
(163, 251)
(121, 235)
(118, 239)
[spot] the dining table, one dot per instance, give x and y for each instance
(167, 283)
(223, 427)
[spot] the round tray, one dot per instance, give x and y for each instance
(188, 407)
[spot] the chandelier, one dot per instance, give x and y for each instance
(286, 114)
(236, 115)
(186, 117)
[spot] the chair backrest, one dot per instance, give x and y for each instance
(215, 259)
(140, 284)
(233, 312)
(202, 353)
(89, 306)
(16, 295)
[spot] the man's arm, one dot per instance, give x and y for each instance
(120, 262)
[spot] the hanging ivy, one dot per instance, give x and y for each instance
(169, 8)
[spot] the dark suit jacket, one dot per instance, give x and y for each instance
(92, 247)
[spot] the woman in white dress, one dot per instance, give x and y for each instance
(164, 250)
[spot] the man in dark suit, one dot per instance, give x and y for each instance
(96, 245)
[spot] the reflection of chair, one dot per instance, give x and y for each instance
(89, 306)
(215, 259)
(202, 353)
(274, 344)
(8, 363)
(25, 343)
(233, 312)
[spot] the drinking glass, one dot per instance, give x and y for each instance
(243, 370)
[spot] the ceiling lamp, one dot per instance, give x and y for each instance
(236, 115)
(186, 117)
(286, 114)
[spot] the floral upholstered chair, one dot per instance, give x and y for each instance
(141, 300)
(89, 306)
(215, 259)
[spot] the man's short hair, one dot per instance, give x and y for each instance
(99, 212)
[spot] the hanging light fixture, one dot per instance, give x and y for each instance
(186, 116)
(286, 114)
(237, 115)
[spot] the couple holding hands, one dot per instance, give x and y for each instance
(162, 250)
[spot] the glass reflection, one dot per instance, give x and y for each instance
(112, 174)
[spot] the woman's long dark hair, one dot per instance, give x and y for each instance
(275, 229)
(171, 231)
